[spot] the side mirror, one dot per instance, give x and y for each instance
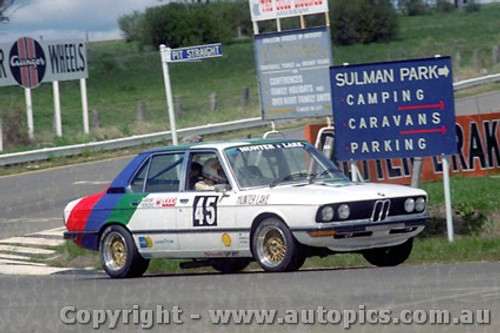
(222, 188)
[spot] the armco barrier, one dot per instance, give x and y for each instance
(43, 154)
(46, 153)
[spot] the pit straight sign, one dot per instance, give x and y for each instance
(394, 109)
(192, 53)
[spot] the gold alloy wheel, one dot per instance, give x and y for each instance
(271, 246)
(274, 245)
(115, 251)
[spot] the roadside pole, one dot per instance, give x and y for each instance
(165, 57)
(1, 134)
(447, 197)
(29, 113)
(183, 54)
(85, 105)
(57, 108)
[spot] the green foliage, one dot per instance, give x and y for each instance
(472, 7)
(363, 21)
(14, 127)
(443, 6)
(180, 24)
(130, 25)
(474, 200)
(414, 7)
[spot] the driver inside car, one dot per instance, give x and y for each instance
(212, 175)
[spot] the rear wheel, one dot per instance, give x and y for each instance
(119, 255)
(389, 256)
(232, 265)
(275, 248)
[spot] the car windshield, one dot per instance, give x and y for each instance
(272, 164)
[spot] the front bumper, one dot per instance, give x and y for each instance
(361, 236)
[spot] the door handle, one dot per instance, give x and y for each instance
(135, 203)
(184, 201)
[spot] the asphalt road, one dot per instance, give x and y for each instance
(34, 202)
(184, 301)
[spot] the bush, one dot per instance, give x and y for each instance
(180, 24)
(443, 6)
(414, 7)
(472, 7)
(15, 130)
(363, 21)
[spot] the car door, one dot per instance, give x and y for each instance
(205, 218)
(155, 188)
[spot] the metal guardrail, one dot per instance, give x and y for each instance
(46, 153)
(476, 82)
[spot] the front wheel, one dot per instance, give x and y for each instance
(119, 255)
(275, 248)
(389, 256)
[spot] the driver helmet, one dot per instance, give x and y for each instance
(213, 171)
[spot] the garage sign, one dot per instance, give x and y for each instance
(394, 109)
(28, 62)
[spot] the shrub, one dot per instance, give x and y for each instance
(363, 21)
(180, 24)
(443, 6)
(15, 131)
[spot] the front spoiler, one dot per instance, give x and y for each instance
(365, 226)
(72, 235)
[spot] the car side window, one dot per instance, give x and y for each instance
(161, 174)
(137, 183)
(205, 171)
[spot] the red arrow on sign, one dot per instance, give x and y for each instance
(442, 130)
(422, 106)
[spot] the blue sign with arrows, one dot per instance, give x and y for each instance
(394, 109)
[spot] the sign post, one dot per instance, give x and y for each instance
(184, 54)
(29, 113)
(401, 109)
(57, 108)
(165, 56)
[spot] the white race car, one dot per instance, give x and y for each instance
(226, 204)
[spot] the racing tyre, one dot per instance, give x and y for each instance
(229, 265)
(119, 255)
(275, 248)
(389, 256)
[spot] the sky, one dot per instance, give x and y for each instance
(69, 19)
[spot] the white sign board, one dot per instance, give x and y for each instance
(261, 10)
(28, 62)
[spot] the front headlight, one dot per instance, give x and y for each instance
(409, 205)
(420, 204)
(327, 213)
(344, 211)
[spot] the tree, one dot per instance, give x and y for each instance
(130, 25)
(4, 6)
(363, 21)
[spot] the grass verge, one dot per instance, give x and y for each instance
(429, 250)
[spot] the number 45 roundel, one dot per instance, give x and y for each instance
(205, 211)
